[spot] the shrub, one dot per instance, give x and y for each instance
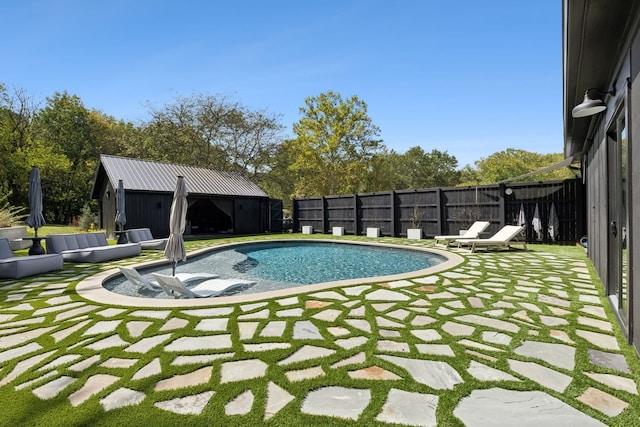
(88, 219)
(9, 215)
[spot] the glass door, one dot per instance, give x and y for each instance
(618, 216)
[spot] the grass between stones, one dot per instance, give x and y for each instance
(500, 285)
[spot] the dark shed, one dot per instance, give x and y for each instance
(219, 202)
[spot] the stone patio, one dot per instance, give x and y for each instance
(416, 341)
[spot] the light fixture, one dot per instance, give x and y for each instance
(591, 106)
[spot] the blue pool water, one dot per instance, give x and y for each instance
(280, 265)
(316, 262)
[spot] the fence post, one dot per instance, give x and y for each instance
(294, 214)
(503, 206)
(323, 213)
(392, 212)
(355, 214)
(440, 211)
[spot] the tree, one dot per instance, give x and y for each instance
(250, 141)
(334, 143)
(426, 170)
(17, 108)
(512, 162)
(213, 132)
(64, 127)
(385, 172)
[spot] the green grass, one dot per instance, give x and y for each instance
(52, 229)
(21, 407)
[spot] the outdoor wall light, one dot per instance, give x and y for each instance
(108, 194)
(591, 106)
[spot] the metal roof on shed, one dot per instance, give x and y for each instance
(142, 175)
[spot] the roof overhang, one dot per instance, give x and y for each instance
(593, 38)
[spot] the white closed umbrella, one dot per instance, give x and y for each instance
(175, 250)
(554, 223)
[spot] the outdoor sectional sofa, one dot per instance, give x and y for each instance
(15, 267)
(89, 247)
(145, 238)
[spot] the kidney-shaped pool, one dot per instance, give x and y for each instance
(285, 265)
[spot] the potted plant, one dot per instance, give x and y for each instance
(415, 232)
(9, 215)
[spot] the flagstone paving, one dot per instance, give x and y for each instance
(417, 340)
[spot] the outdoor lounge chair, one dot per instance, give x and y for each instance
(209, 288)
(472, 233)
(504, 237)
(89, 247)
(16, 267)
(145, 238)
(152, 285)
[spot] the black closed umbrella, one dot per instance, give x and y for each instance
(121, 216)
(35, 219)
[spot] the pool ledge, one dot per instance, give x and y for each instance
(91, 288)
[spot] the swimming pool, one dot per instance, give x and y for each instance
(278, 265)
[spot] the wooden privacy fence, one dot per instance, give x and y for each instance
(438, 211)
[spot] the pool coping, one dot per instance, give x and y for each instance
(91, 288)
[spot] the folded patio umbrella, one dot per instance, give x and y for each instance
(175, 250)
(35, 219)
(554, 223)
(536, 222)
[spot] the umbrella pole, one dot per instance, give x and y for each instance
(173, 268)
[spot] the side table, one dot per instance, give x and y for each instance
(36, 247)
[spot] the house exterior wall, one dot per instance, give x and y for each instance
(251, 216)
(602, 175)
(152, 210)
(634, 191)
(148, 210)
(597, 203)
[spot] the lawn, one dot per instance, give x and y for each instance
(67, 361)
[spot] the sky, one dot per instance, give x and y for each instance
(467, 77)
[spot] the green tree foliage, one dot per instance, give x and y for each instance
(385, 172)
(511, 163)
(413, 169)
(64, 132)
(213, 132)
(427, 170)
(335, 141)
(16, 113)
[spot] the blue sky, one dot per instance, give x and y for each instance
(467, 77)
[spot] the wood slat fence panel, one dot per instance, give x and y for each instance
(448, 210)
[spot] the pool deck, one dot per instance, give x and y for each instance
(502, 338)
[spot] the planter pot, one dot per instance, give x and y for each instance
(15, 235)
(414, 233)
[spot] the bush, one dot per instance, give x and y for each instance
(88, 219)
(287, 224)
(9, 215)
